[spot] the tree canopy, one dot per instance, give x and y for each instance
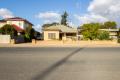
(90, 31)
(29, 32)
(8, 29)
(109, 25)
(63, 21)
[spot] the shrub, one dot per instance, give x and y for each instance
(90, 31)
(27, 38)
(8, 29)
(103, 35)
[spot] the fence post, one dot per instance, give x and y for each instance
(33, 41)
(12, 41)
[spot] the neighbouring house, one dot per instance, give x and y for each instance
(79, 33)
(18, 23)
(60, 32)
(113, 33)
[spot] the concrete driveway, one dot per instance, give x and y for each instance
(60, 63)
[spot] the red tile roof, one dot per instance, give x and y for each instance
(17, 28)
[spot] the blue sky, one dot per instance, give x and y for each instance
(80, 11)
(29, 8)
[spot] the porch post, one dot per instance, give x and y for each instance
(64, 36)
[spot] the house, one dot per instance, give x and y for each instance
(79, 33)
(59, 32)
(113, 33)
(18, 23)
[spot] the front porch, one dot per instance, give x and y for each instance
(68, 36)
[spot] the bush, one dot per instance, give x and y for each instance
(8, 29)
(103, 35)
(27, 38)
(0, 31)
(90, 31)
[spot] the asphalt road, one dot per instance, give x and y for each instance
(60, 63)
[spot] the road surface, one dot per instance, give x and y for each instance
(60, 63)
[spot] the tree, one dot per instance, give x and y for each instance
(0, 31)
(64, 18)
(110, 25)
(8, 29)
(29, 33)
(90, 31)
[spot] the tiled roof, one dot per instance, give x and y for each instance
(62, 28)
(17, 28)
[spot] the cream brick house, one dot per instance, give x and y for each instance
(19, 24)
(113, 33)
(59, 32)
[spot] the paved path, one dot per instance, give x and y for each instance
(60, 63)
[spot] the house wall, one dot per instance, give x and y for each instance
(21, 24)
(18, 23)
(47, 32)
(69, 36)
(5, 38)
(113, 34)
(2, 24)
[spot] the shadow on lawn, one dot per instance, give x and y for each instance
(55, 66)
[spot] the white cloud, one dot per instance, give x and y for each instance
(88, 18)
(5, 13)
(49, 16)
(107, 8)
(101, 10)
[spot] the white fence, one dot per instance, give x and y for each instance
(5, 38)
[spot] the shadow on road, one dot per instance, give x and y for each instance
(55, 66)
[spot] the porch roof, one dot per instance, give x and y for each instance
(111, 30)
(62, 28)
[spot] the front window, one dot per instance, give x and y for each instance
(51, 35)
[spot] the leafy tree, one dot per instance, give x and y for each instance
(8, 29)
(90, 31)
(110, 25)
(102, 26)
(0, 31)
(64, 18)
(29, 33)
